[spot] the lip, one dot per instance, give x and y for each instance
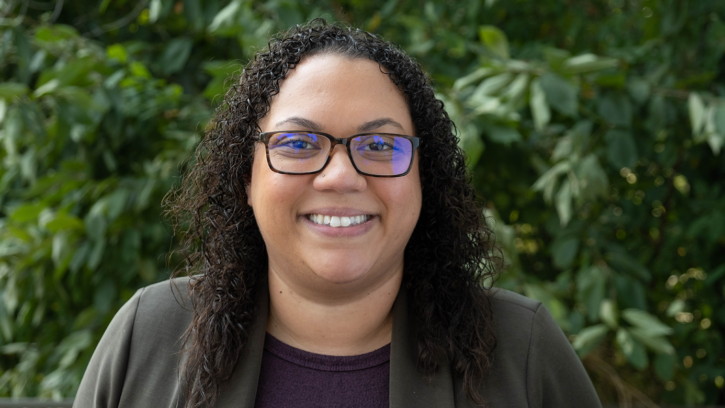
(333, 232)
(339, 212)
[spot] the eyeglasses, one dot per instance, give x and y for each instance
(372, 154)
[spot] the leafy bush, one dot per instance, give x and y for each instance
(593, 129)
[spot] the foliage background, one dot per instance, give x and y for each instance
(594, 130)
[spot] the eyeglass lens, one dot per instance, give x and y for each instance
(384, 155)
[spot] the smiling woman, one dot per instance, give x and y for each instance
(331, 271)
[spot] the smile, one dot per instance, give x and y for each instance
(338, 222)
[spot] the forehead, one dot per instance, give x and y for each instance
(335, 90)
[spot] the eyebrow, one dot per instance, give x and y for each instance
(314, 126)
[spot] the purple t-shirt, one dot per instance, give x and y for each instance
(292, 377)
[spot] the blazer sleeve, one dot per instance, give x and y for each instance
(555, 376)
(103, 381)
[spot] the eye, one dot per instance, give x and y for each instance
(297, 144)
(378, 144)
(296, 141)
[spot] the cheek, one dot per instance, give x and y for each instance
(405, 202)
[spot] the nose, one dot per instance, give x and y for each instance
(339, 174)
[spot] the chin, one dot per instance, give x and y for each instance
(341, 276)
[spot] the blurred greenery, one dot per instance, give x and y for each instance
(594, 129)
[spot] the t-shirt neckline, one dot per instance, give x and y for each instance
(324, 362)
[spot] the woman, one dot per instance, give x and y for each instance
(337, 255)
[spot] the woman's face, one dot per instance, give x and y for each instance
(339, 96)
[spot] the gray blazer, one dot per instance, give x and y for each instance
(136, 362)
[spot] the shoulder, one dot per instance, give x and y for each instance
(163, 313)
(514, 314)
(534, 363)
(139, 350)
(168, 300)
(509, 301)
(522, 322)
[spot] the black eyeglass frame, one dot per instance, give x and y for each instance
(265, 136)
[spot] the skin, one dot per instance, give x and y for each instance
(332, 290)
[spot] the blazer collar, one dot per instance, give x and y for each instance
(408, 387)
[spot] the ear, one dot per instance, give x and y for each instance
(248, 189)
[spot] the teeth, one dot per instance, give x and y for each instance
(337, 222)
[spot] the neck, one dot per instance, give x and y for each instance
(353, 324)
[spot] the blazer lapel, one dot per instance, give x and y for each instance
(241, 389)
(408, 387)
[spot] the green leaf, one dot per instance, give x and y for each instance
(650, 324)
(194, 15)
(716, 141)
(556, 57)
(9, 90)
(639, 89)
(471, 143)
(473, 77)
(61, 248)
(658, 344)
(714, 275)
(3, 109)
(625, 263)
(495, 40)
(225, 17)
(632, 349)
(116, 203)
(621, 150)
(563, 251)
(592, 178)
(630, 292)
(222, 68)
(590, 337)
(560, 93)
(719, 118)
(118, 52)
(175, 55)
(491, 86)
(154, 10)
(104, 296)
(547, 181)
(587, 63)
(79, 257)
(47, 88)
(96, 254)
(563, 202)
(616, 109)
(591, 284)
(562, 148)
(677, 306)
(27, 212)
(503, 134)
(539, 107)
(62, 221)
(139, 70)
(664, 365)
(102, 7)
(609, 313)
(55, 33)
(696, 109)
(96, 225)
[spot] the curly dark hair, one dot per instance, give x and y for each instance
(449, 256)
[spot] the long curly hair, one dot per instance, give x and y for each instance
(450, 255)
